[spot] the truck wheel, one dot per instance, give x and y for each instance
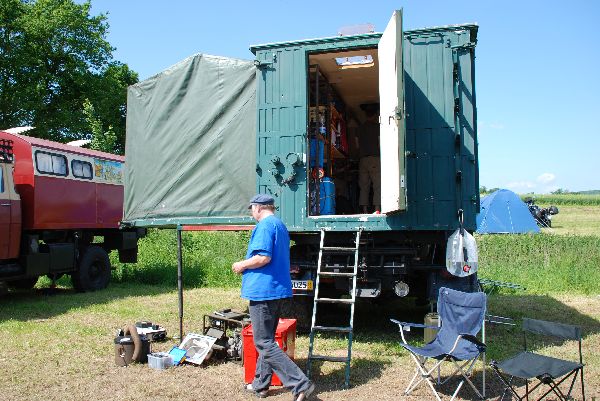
(299, 308)
(23, 284)
(93, 272)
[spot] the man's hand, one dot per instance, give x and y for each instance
(254, 262)
(238, 267)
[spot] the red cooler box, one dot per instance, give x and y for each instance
(285, 337)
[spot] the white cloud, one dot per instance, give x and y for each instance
(550, 189)
(546, 178)
(520, 186)
(543, 184)
(485, 127)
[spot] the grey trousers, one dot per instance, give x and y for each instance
(369, 172)
(265, 317)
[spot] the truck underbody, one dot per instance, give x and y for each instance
(83, 254)
(391, 264)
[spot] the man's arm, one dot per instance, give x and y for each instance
(254, 262)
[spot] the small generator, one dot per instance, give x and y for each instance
(226, 326)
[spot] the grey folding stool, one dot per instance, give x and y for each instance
(542, 369)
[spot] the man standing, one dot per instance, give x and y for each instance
(266, 283)
(369, 167)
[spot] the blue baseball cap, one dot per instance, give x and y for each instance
(261, 199)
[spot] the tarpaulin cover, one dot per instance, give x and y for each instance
(190, 147)
(504, 212)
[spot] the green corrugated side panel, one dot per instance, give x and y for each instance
(432, 195)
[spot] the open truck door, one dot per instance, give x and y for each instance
(392, 111)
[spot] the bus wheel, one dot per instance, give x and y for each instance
(93, 272)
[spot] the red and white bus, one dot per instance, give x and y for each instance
(55, 199)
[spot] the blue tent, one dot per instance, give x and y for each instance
(504, 212)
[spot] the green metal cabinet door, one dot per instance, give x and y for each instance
(393, 127)
(281, 130)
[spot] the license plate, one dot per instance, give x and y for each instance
(306, 285)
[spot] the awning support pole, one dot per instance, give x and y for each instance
(180, 281)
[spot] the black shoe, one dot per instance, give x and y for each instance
(260, 394)
(304, 395)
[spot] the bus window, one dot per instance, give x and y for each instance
(51, 163)
(81, 169)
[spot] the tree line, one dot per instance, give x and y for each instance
(58, 74)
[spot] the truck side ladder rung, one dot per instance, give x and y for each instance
(335, 274)
(347, 330)
(331, 358)
(335, 300)
(333, 329)
(338, 249)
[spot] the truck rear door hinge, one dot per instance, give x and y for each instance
(468, 45)
(262, 64)
(265, 63)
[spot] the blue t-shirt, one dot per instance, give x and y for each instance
(270, 237)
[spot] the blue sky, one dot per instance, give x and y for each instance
(537, 65)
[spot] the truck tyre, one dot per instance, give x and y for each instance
(299, 308)
(23, 284)
(93, 272)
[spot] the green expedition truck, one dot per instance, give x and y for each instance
(209, 132)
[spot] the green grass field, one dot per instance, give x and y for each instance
(577, 220)
(63, 343)
(565, 199)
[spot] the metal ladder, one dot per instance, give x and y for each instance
(347, 330)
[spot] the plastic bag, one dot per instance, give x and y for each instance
(461, 254)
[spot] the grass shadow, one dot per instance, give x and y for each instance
(42, 304)
(362, 371)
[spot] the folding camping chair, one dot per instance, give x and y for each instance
(547, 370)
(462, 317)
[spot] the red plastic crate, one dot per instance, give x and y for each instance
(285, 337)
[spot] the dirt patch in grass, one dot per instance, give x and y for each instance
(60, 347)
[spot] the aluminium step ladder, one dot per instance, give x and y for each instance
(345, 330)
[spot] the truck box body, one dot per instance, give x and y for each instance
(191, 136)
(63, 195)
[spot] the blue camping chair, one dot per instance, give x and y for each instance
(462, 317)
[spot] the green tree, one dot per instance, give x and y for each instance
(53, 56)
(101, 140)
(109, 98)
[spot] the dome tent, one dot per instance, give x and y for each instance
(504, 212)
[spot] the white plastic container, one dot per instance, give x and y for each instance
(160, 360)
